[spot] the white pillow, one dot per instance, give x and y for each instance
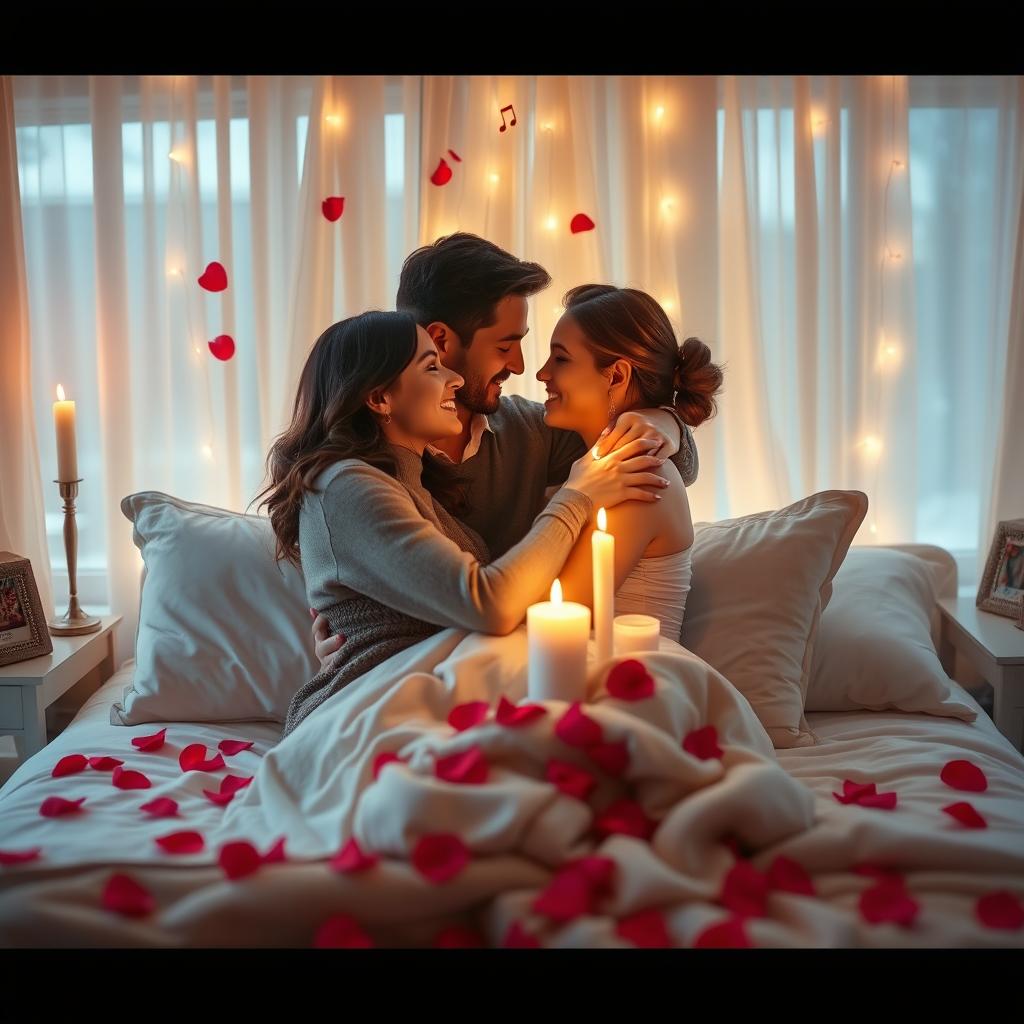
(224, 630)
(760, 584)
(875, 648)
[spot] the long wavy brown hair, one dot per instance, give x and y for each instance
(331, 421)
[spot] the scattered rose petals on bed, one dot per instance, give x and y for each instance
(351, 859)
(703, 743)
(599, 871)
(787, 875)
(965, 814)
(20, 856)
(468, 767)
(276, 854)
(517, 937)
(342, 931)
(219, 797)
(888, 902)
(57, 806)
(465, 716)
(727, 934)
(570, 779)
(864, 794)
(232, 747)
(744, 890)
(214, 278)
(193, 759)
(884, 801)
(646, 929)
(161, 807)
(612, 757)
(123, 895)
(570, 893)
(125, 778)
(1000, 910)
(513, 715)
(630, 680)
(239, 859)
(876, 871)
(104, 764)
(964, 775)
(233, 783)
(575, 729)
(440, 857)
(458, 937)
(382, 760)
(625, 817)
(181, 842)
(333, 207)
(69, 765)
(150, 743)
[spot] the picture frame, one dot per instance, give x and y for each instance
(1002, 585)
(23, 632)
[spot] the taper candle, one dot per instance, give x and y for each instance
(602, 549)
(67, 450)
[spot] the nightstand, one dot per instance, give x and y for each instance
(28, 688)
(994, 646)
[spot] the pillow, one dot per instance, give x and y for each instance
(875, 648)
(760, 584)
(224, 630)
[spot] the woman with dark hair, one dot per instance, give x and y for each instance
(355, 496)
(614, 349)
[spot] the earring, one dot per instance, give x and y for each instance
(387, 417)
(611, 407)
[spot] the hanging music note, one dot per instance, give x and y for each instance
(512, 122)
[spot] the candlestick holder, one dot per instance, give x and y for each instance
(74, 621)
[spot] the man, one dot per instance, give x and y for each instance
(471, 297)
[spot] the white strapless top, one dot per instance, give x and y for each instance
(658, 587)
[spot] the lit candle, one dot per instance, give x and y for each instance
(557, 633)
(67, 451)
(636, 633)
(602, 550)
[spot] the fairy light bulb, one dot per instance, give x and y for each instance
(334, 119)
(176, 155)
(659, 112)
(667, 206)
(668, 305)
(493, 178)
(872, 446)
(207, 450)
(551, 223)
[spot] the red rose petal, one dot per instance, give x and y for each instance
(517, 937)
(233, 783)
(333, 207)
(193, 759)
(181, 842)
(569, 894)
(581, 222)
(646, 929)
(964, 775)
(69, 765)
(220, 798)
(20, 856)
(598, 871)
(222, 347)
(788, 876)
(276, 854)
(744, 890)
(630, 680)
(57, 806)
(342, 931)
(232, 747)
(443, 174)
(454, 155)
(465, 716)
(886, 801)
(351, 859)
(883, 874)
(966, 815)
(214, 278)
(384, 759)
(161, 807)
(152, 742)
(1000, 909)
(625, 817)
(576, 729)
(854, 792)
(468, 767)
(123, 895)
(727, 934)
(239, 859)
(440, 857)
(570, 779)
(612, 757)
(511, 715)
(888, 902)
(104, 764)
(125, 778)
(457, 937)
(703, 743)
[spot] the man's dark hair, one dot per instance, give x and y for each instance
(460, 279)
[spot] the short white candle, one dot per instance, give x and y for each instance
(636, 633)
(557, 632)
(602, 549)
(67, 451)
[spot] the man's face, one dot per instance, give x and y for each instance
(495, 354)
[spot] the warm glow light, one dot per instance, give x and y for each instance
(872, 446)
(176, 155)
(551, 223)
(60, 393)
(495, 178)
(556, 592)
(207, 451)
(602, 519)
(897, 164)
(667, 206)
(894, 254)
(668, 305)
(874, 529)
(659, 112)
(548, 126)
(195, 348)
(333, 119)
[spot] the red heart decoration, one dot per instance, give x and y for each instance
(465, 716)
(569, 894)
(576, 729)
(964, 775)
(104, 764)
(442, 175)
(127, 779)
(333, 207)
(646, 929)
(181, 842)
(440, 857)
(150, 743)
(966, 815)
(193, 759)
(727, 934)
(351, 859)
(744, 890)
(276, 854)
(19, 856)
(69, 765)
(703, 743)
(232, 747)
(454, 155)
(161, 807)
(239, 859)
(888, 902)
(457, 937)
(570, 779)
(219, 797)
(468, 767)
(630, 680)
(625, 817)
(788, 876)
(123, 895)
(511, 715)
(57, 806)
(385, 759)
(214, 277)
(342, 931)
(517, 937)
(581, 222)
(1000, 910)
(612, 757)
(222, 347)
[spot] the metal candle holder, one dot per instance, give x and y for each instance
(74, 621)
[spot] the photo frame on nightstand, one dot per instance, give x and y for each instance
(1002, 584)
(23, 632)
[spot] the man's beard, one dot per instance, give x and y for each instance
(475, 398)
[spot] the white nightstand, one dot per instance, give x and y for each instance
(994, 646)
(28, 688)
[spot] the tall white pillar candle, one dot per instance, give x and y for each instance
(602, 549)
(67, 450)
(635, 634)
(557, 632)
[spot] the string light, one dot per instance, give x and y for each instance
(667, 206)
(871, 446)
(494, 177)
(819, 122)
(548, 126)
(207, 451)
(551, 223)
(334, 119)
(659, 112)
(177, 155)
(668, 305)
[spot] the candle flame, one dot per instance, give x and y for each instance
(602, 519)
(60, 392)
(556, 592)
